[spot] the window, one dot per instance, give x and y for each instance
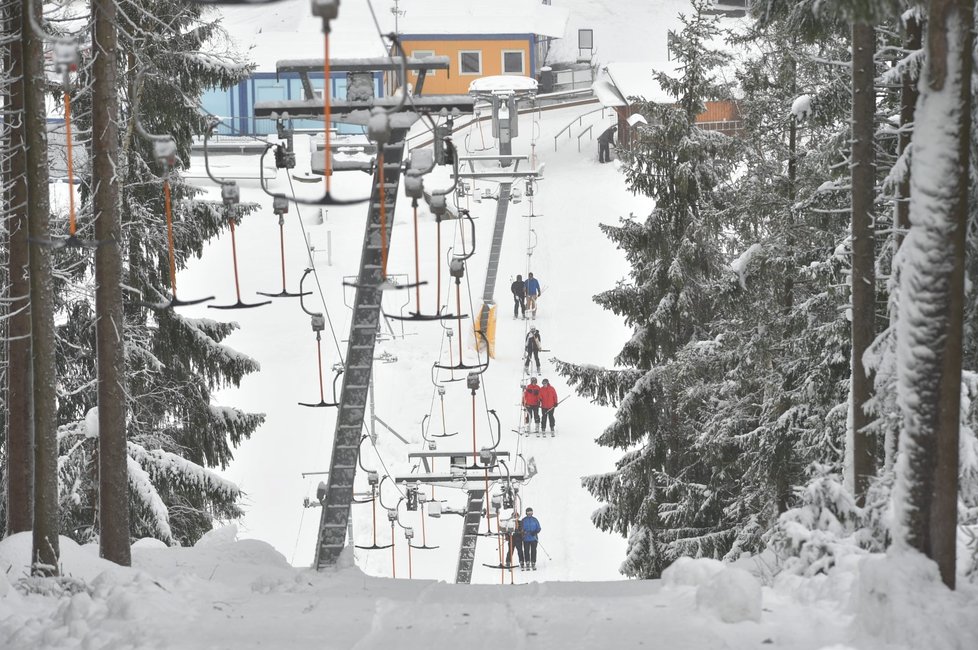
(513, 62)
(423, 54)
(470, 62)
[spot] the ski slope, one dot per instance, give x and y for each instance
(575, 195)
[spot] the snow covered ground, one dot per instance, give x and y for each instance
(575, 195)
(245, 586)
(227, 594)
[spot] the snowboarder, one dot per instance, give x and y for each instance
(531, 528)
(548, 402)
(532, 293)
(531, 349)
(519, 296)
(605, 140)
(516, 542)
(531, 402)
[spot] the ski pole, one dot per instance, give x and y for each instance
(544, 550)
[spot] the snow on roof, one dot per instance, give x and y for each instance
(607, 94)
(481, 17)
(503, 82)
(288, 30)
(619, 82)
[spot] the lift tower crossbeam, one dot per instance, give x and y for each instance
(367, 301)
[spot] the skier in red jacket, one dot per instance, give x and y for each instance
(531, 402)
(548, 402)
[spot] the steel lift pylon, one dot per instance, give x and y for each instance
(474, 509)
(354, 394)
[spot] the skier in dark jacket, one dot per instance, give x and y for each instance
(532, 349)
(516, 542)
(605, 140)
(519, 296)
(531, 528)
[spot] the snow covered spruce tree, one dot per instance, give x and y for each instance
(777, 362)
(174, 363)
(662, 495)
(932, 304)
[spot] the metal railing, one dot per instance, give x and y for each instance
(580, 120)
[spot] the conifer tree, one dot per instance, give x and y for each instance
(660, 493)
(175, 363)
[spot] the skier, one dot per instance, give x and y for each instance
(531, 528)
(532, 293)
(548, 402)
(519, 296)
(531, 402)
(531, 349)
(605, 140)
(516, 542)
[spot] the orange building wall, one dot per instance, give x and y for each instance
(455, 83)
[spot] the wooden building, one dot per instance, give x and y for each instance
(623, 85)
(481, 39)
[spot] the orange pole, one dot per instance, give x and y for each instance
(393, 555)
(417, 263)
(475, 454)
(234, 256)
(438, 272)
(281, 246)
(374, 508)
(71, 173)
(502, 571)
(319, 357)
(169, 235)
(327, 112)
(488, 516)
(382, 194)
(458, 306)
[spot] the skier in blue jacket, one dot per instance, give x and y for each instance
(531, 528)
(533, 292)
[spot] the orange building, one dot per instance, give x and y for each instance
(622, 85)
(480, 39)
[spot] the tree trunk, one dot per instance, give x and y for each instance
(45, 546)
(863, 464)
(901, 223)
(929, 328)
(20, 423)
(908, 103)
(110, 322)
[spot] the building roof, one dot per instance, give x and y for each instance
(472, 17)
(503, 83)
(618, 83)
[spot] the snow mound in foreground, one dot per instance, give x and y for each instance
(691, 572)
(76, 561)
(899, 597)
(732, 594)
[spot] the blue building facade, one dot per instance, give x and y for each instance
(236, 106)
